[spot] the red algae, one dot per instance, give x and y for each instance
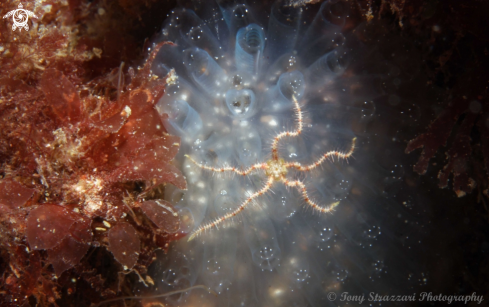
(162, 214)
(67, 254)
(62, 95)
(77, 158)
(82, 163)
(65, 234)
(13, 195)
(47, 225)
(124, 243)
(455, 56)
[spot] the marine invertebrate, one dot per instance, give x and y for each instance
(276, 170)
(333, 252)
(237, 82)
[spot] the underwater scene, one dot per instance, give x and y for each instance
(301, 153)
(293, 194)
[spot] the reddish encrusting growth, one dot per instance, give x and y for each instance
(459, 154)
(75, 170)
(455, 56)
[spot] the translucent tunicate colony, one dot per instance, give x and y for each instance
(234, 75)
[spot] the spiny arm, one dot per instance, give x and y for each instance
(229, 215)
(229, 169)
(301, 187)
(288, 133)
(333, 153)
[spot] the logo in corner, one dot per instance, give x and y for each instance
(20, 18)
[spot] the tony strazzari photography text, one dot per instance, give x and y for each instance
(415, 297)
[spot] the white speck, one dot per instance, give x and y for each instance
(127, 110)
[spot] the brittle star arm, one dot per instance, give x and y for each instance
(288, 133)
(333, 153)
(229, 215)
(229, 169)
(301, 187)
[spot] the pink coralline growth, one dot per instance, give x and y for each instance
(81, 148)
(468, 113)
(80, 170)
(455, 55)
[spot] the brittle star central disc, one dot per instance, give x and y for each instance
(276, 170)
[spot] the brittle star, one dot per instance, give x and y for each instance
(276, 170)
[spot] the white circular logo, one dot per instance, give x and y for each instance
(20, 18)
